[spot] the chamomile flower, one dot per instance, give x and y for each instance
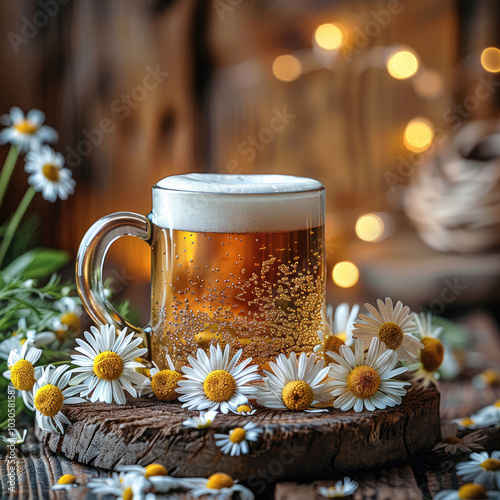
(489, 415)
(48, 174)
(236, 442)
(217, 382)
(482, 468)
(369, 381)
(467, 422)
(218, 486)
(163, 383)
(431, 355)
(39, 339)
(295, 384)
(451, 443)
(49, 395)
(340, 490)
(124, 486)
(66, 482)
(147, 471)
(22, 372)
(339, 328)
(468, 491)
(156, 474)
(203, 421)
(71, 313)
(26, 132)
(14, 437)
(106, 365)
(488, 378)
(9, 345)
(392, 325)
(246, 410)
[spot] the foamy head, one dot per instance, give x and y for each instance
(225, 203)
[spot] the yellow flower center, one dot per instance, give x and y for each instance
(60, 335)
(67, 479)
(432, 354)
(22, 375)
(491, 377)
(49, 400)
(497, 403)
(108, 365)
(491, 465)
(363, 382)
(155, 470)
(243, 408)
(332, 343)
(26, 127)
(127, 493)
(219, 386)
(297, 395)
(50, 172)
(466, 422)
(219, 480)
(164, 384)
(237, 435)
(452, 440)
(471, 491)
(391, 335)
(71, 320)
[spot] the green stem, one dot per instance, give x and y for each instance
(57, 363)
(8, 168)
(15, 221)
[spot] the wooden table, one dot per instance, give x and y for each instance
(423, 477)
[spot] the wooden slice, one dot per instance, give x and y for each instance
(293, 445)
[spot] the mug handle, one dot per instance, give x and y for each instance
(90, 259)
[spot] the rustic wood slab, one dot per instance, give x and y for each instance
(293, 444)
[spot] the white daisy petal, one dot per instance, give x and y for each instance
(216, 382)
(294, 383)
(365, 382)
(102, 368)
(393, 325)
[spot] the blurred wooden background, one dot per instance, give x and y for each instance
(81, 64)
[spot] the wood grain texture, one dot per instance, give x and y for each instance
(294, 445)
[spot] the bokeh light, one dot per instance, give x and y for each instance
(370, 227)
(345, 274)
(428, 83)
(329, 36)
(418, 134)
(403, 64)
(287, 68)
(490, 59)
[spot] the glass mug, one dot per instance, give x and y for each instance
(236, 259)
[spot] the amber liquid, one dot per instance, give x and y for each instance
(262, 292)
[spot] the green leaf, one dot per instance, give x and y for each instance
(37, 263)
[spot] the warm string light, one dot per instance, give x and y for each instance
(345, 274)
(329, 36)
(418, 135)
(490, 59)
(402, 64)
(287, 68)
(369, 227)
